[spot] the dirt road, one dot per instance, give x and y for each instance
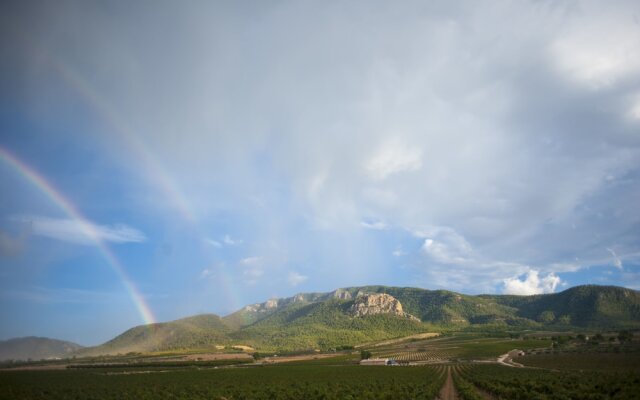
(448, 391)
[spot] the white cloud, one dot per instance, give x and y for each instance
(531, 284)
(251, 260)
(393, 158)
(212, 242)
(617, 262)
(399, 253)
(599, 51)
(81, 232)
(377, 225)
(231, 242)
(206, 273)
(445, 246)
(294, 278)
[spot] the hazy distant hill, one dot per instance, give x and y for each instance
(350, 316)
(35, 348)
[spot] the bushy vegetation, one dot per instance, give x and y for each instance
(323, 326)
(531, 384)
(321, 321)
(278, 382)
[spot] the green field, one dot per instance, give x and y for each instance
(584, 361)
(531, 384)
(274, 382)
(575, 369)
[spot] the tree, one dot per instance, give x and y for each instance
(365, 354)
(546, 317)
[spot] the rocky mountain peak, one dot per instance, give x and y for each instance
(379, 303)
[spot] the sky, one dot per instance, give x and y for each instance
(164, 159)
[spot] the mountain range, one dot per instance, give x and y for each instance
(355, 315)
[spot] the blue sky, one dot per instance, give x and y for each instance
(196, 159)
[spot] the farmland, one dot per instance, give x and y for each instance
(273, 382)
(523, 383)
(462, 364)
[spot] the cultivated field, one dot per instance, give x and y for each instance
(460, 366)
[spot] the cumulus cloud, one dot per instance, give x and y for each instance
(444, 245)
(531, 284)
(81, 232)
(295, 278)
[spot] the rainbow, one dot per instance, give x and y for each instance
(154, 172)
(37, 180)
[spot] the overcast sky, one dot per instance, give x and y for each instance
(163, 159)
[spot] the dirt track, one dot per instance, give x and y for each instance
(448, 391)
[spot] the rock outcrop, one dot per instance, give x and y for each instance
(341, 294)
(372, 304)
(268, 305)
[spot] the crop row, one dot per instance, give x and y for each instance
(524, 383)
(409, 356)
(277, 382)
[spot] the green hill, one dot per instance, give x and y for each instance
(35, 348)
(199, 331)
(324, 325)
(350, 316)
(582, 306)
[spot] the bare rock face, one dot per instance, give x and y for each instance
(371, 304)
(263, 307)
(342, 294)
(272, 303)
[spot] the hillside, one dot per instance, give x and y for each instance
(35, 348)
(325, 324)
(199, 331)
(350, 316)
(583, 306)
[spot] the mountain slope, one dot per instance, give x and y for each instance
(199, 331)
(583, 306)
(36, 348)
(350, 316)
(324, 325)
